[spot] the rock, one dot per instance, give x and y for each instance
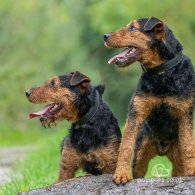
(103, 185)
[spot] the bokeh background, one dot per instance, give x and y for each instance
(42, 38)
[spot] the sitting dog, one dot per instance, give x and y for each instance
(94, 136)
(160, 117)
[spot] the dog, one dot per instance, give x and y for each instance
(93, 140)
(160, 114)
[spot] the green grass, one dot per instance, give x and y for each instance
(18, 138)
(31, 136)
(41, 165)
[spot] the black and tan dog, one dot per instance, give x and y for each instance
(160, 117)
(94, 137)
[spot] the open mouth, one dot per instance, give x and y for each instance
(126, 57)
(47, 111)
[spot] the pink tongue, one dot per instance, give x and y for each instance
(122, 54)
(41, 112)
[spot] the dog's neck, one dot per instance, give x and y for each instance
(87, 106)
(161, 51)
(164, 66)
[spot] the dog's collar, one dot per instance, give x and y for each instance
(165, 66)
(92, 111)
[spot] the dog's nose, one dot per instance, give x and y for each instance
(106, 36)
(28, 92)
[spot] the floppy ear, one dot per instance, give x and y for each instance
(79, 79)
(156, 25)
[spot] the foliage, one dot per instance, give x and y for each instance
(39, 39)
(41, 166)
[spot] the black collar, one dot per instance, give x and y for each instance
(92, 111)
(165, 66)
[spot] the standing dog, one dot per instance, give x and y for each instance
(160, 117)
(94, 137)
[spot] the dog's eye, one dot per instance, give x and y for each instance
(132, 27)
(52, 83)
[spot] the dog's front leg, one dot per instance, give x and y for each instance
(140, 107)
(187, 144)
(182, 152)
(68, 163)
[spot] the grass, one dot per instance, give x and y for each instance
(18, 138)
(33, 135)
(40, 167)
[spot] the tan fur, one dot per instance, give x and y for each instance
(181, 153)
(71, 159)
(143, 156)
(123, 38)
(69, 162)
(178, 107)
(105, 156)
(133, 22)
(142, 106)
(50, 94)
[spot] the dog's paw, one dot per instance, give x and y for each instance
(121, 175)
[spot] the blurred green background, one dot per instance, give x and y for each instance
(42, 38)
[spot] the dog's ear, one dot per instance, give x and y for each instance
(155, 25)
(79, 79)
(100, 89)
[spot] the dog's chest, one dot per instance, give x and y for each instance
(84, 139)
(162, 124)
(163, 121)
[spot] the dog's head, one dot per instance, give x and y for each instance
(61, 94)
(148, 41)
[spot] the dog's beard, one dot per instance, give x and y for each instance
(48, 114)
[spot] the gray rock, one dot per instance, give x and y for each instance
(103, 185)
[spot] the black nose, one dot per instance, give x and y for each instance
(28, 92)
(106, 36)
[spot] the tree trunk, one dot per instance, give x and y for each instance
(97, 185)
